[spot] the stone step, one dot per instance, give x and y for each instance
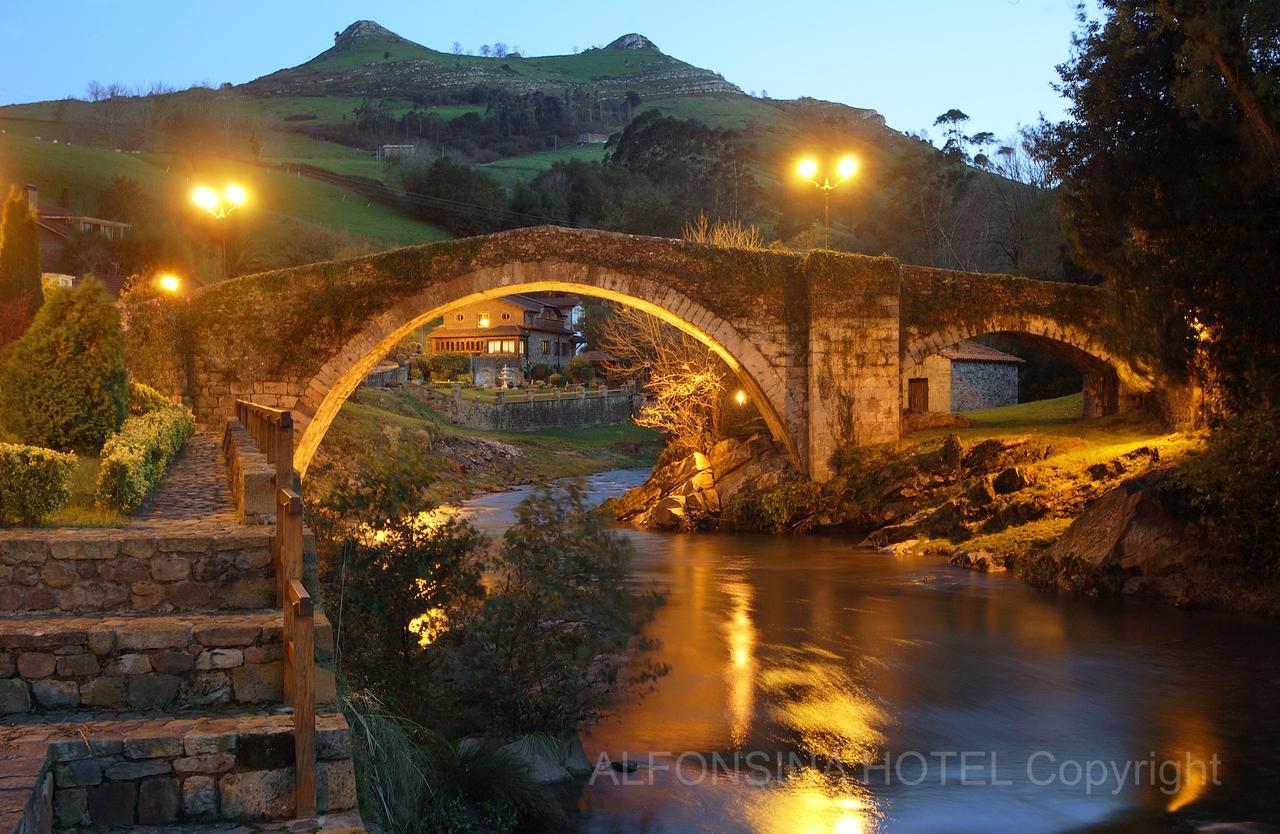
(156, 566)
(51, 664)
(102, 772)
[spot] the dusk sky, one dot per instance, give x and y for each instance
(994, 59)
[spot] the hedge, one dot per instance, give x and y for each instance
(143, 399)
(33, 482)
(134, 459)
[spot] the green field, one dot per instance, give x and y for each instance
(528, 166)
(274, 195)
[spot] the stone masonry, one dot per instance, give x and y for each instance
(142, 669)
(817, 341)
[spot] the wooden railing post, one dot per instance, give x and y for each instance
(288, 540)
(300, 679)
(284, 451)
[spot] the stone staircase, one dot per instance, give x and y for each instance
(145, 670)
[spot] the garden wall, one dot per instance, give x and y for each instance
(518, 413)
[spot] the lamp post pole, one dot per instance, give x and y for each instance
(845, 169)
(220, 206)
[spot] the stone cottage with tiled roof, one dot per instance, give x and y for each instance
(964, 377)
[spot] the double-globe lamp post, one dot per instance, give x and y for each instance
(220, 205)
(807, 168)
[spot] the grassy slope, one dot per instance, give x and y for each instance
(85, 171)
(1073, 444)
(373, 421)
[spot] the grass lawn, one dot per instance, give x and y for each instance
(529, 165)
(81, 511)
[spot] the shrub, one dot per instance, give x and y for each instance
(63, 384)
(143, 399)
(447, 366)
(541, 371)
(1231, 489)
(580, 369)
(135, 458)
(33, 482)
(556, 380)
(463, 378)
(415, 373)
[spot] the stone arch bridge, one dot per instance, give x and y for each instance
(817, 340)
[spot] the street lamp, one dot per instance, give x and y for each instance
(170, 284)
(807, 168)
(219, 205)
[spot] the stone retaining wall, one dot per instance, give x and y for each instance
(178, 568)
(518, 413)
(147, 663)
(161, 772)
(251, 477)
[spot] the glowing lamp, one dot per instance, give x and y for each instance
(741, 397)
(807, 168)
(235, 194)
(170, 283)
(846, 167)
(205, 197)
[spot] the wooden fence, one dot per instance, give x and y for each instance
(272, 430)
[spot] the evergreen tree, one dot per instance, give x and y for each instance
(63, 384)
(20, 291)
(1171, 181)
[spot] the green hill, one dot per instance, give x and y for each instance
(304, 139)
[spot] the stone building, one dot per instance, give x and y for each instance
(964, 377)
(515, 332)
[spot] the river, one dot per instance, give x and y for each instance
(818, 687)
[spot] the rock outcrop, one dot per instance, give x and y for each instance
(1125, 542)
(690, 493)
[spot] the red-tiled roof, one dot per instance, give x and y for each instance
(967, 351)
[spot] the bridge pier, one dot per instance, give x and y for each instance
(853, 376)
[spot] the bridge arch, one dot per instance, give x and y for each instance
(339, 377)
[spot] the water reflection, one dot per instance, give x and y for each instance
(818, 656)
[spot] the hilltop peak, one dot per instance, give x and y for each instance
(633, 41)
(365, 33)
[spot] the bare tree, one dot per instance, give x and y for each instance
(457, 48)
(486, 50)
(683, 380)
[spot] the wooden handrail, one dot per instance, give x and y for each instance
(288, 540)
(272, 429)
(300, 693)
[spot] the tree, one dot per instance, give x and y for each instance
(20, 274)
(683, 380)
(464, 200)
(63, 384)
(1170, 182)
(546, 651)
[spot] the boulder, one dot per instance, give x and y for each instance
(1125, 534)
(669, 513)
(1009, 480)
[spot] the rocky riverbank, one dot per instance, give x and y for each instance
(1084, 510)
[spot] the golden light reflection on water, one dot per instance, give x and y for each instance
(815, 697)
(1195, 746)
(740, 672)
(807, 802)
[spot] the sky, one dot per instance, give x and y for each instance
(908, 59)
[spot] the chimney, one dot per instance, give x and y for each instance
(33, 196)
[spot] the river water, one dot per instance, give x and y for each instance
(816, 687)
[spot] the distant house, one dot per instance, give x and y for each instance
(601, 360)
(592, 138)
(394, 151)
(56, 224)
(516, 332)
(963, 377)
(58, 280)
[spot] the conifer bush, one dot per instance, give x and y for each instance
(33, 482)
(63, 384)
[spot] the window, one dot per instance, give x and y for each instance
(461, 317)
(502, 346)
(482, 319)
(506, 316)
(546, 347)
